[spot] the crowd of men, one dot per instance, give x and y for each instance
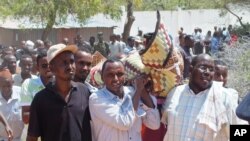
(46, 87)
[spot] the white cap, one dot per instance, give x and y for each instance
(29, 44)
(59, 48)
(138, 39)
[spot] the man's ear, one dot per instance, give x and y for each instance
(191, 68)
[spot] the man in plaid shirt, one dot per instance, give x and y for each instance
(201, 110)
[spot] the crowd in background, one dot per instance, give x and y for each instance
(31, 72)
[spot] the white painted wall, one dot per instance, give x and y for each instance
(188, 19)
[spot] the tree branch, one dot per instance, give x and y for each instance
(239, 18)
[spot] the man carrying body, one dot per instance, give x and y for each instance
(117, 111)
(57, 113)
(200, 110)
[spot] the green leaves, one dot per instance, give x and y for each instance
(45, 11)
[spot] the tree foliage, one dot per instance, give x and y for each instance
(185, 4)
(55, 12)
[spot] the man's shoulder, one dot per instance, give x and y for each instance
(43, 91)
(180, 87)
(34, 76)
(177, 90)
(82, 88)
(97, 94)
(79, 85)
(32, 81)
(16, 92)
(91, 88)
(102, 95)
(18, 88)
(16, 75)
(223, 93)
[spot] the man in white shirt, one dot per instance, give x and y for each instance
(9, 106)
(31, 86)
(130, 48)
(201, 110)
(114, 47)
(120, 42)
(26, 65)
(117, 112)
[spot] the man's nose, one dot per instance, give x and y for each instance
(115, 77)
(85, 67)
(221, 78)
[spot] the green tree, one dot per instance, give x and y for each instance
(185, 4)
(55, 12)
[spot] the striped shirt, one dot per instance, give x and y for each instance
(181, 111)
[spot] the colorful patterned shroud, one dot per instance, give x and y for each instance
(160, 60)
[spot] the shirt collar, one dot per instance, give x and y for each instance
(51, 85)
(109, 94)
(113, 96)
(12, 97)
(128, 91)
(198, 94)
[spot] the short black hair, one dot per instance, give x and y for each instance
(195, 59)
(6, 57)
(188, 38)
(42, 53)
(24, 56)
(130, 38)
(112, 60)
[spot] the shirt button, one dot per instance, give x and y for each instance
(130, 138)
